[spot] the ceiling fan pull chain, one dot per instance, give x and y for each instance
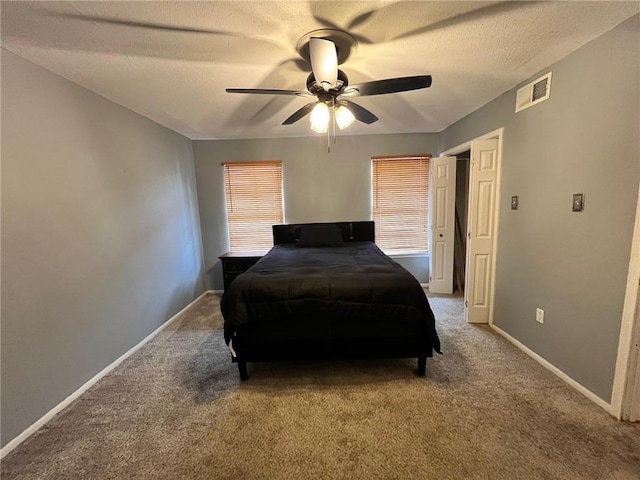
(328, 141)
(333, 120)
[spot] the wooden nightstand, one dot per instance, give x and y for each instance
(235, 263)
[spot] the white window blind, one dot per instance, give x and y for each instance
(254, 203)
(400, 203)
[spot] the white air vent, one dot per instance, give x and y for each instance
(535, 92)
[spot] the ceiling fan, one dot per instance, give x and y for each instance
(331, 87)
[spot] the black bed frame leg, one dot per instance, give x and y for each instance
(242, 368)
(422, 366)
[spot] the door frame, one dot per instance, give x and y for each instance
(624, 381)
(463, 147)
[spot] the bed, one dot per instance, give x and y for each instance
(326, 291)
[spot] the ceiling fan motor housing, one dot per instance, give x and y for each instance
(316, 89)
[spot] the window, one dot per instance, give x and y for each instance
(400, 203)
(254, 203)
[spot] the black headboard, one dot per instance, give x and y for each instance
(351, 231)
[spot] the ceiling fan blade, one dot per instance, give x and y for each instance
(324, 62)
(304, 111)
(268, 91)
(361, 113)
(391, 85)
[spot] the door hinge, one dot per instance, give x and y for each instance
(466, 304)
(468, 234)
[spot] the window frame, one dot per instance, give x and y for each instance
(244, 182)
(423, 213)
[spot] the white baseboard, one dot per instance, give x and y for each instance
(424, 285)
(67, 401)
(581, 388)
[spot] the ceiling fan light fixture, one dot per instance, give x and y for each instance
(320, 117)
(344, 117)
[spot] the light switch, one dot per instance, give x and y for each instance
(514, 202)
(578, 202)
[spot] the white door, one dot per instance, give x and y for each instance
(483, 191)
(442, 199)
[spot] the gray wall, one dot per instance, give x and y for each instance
(100, 236)
(585, 138)
(318, 186)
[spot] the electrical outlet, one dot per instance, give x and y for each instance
(539, 315)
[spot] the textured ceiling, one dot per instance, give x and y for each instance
(171, 61)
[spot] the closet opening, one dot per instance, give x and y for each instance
(463, 163)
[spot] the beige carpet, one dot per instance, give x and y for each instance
(177, 410)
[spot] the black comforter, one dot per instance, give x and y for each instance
(349, 292)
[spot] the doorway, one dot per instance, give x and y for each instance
(625, 399)
(481, 228)
(463, 163)
(633, 383)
